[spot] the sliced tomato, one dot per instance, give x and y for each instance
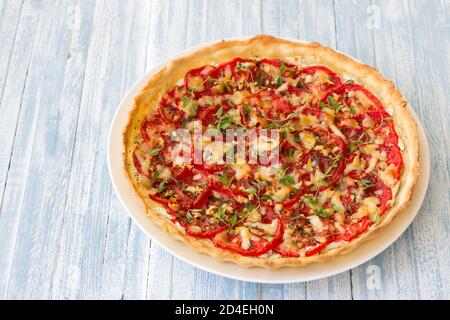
(394, 156)
(208, 114)
(281, 249)
(159, 199)
(355, 229)
(170, 113)
(137, 164)
(316, 249)
(331, 164)
(201, 72)
(294, 200)
(233, 242)
(322, 89)
(309, 250)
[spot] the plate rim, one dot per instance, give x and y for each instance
(419, 193)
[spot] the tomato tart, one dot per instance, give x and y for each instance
(346, 148)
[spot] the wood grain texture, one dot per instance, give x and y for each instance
(64, 66)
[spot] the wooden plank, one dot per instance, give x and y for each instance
(93, 215)
(398, 256)
(45, 137)
(415, 266)
(126, 259)
(9, 20)
(167, 39)
(431, 228)
(312, 28)
(10, 107)
(18, 39)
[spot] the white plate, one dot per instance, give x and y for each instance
(314, 271)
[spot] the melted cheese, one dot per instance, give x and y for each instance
(388, 176)
(316, 223)
(196, 83)
(241, 170)
(235, 116)
(267, 228)
(245, 236)
(281, 194)
(369, 207)
(309, 120)
(337, 203)
(308, 139)
(357, 164)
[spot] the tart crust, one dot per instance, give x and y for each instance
(304, 54)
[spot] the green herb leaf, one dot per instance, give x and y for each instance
(278, 81)
(352, 110)
(376, 218)
(246, 109)
(219, 112)
(313, 200)
(292, 115)
(250, 190)
(155, 151)
(162, 185)
(321, 212)
(299, 84)
(185, 100)
(287, 180)
(290, 153)
(365, 184)
(223, 179)
(283, 67)
(234, 220)
(351, 147)
(188, 218)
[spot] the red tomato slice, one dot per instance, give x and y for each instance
(170, 113)
(312, 250)
(356, 229)
(234, 243)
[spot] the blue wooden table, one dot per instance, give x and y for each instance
(64, 66)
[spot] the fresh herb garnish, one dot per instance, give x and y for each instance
(188, 217)
(162, 185)
(313, 200)
(321, 212)
(219, 112)
(234, 220)
(246, 109)
(287, 180)
(284, 68)
(155, 151)
(278, 81)
(335, 207)
(332, 103)
(250, 190)
(365, 184)
(351, 147)
(290, 153)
